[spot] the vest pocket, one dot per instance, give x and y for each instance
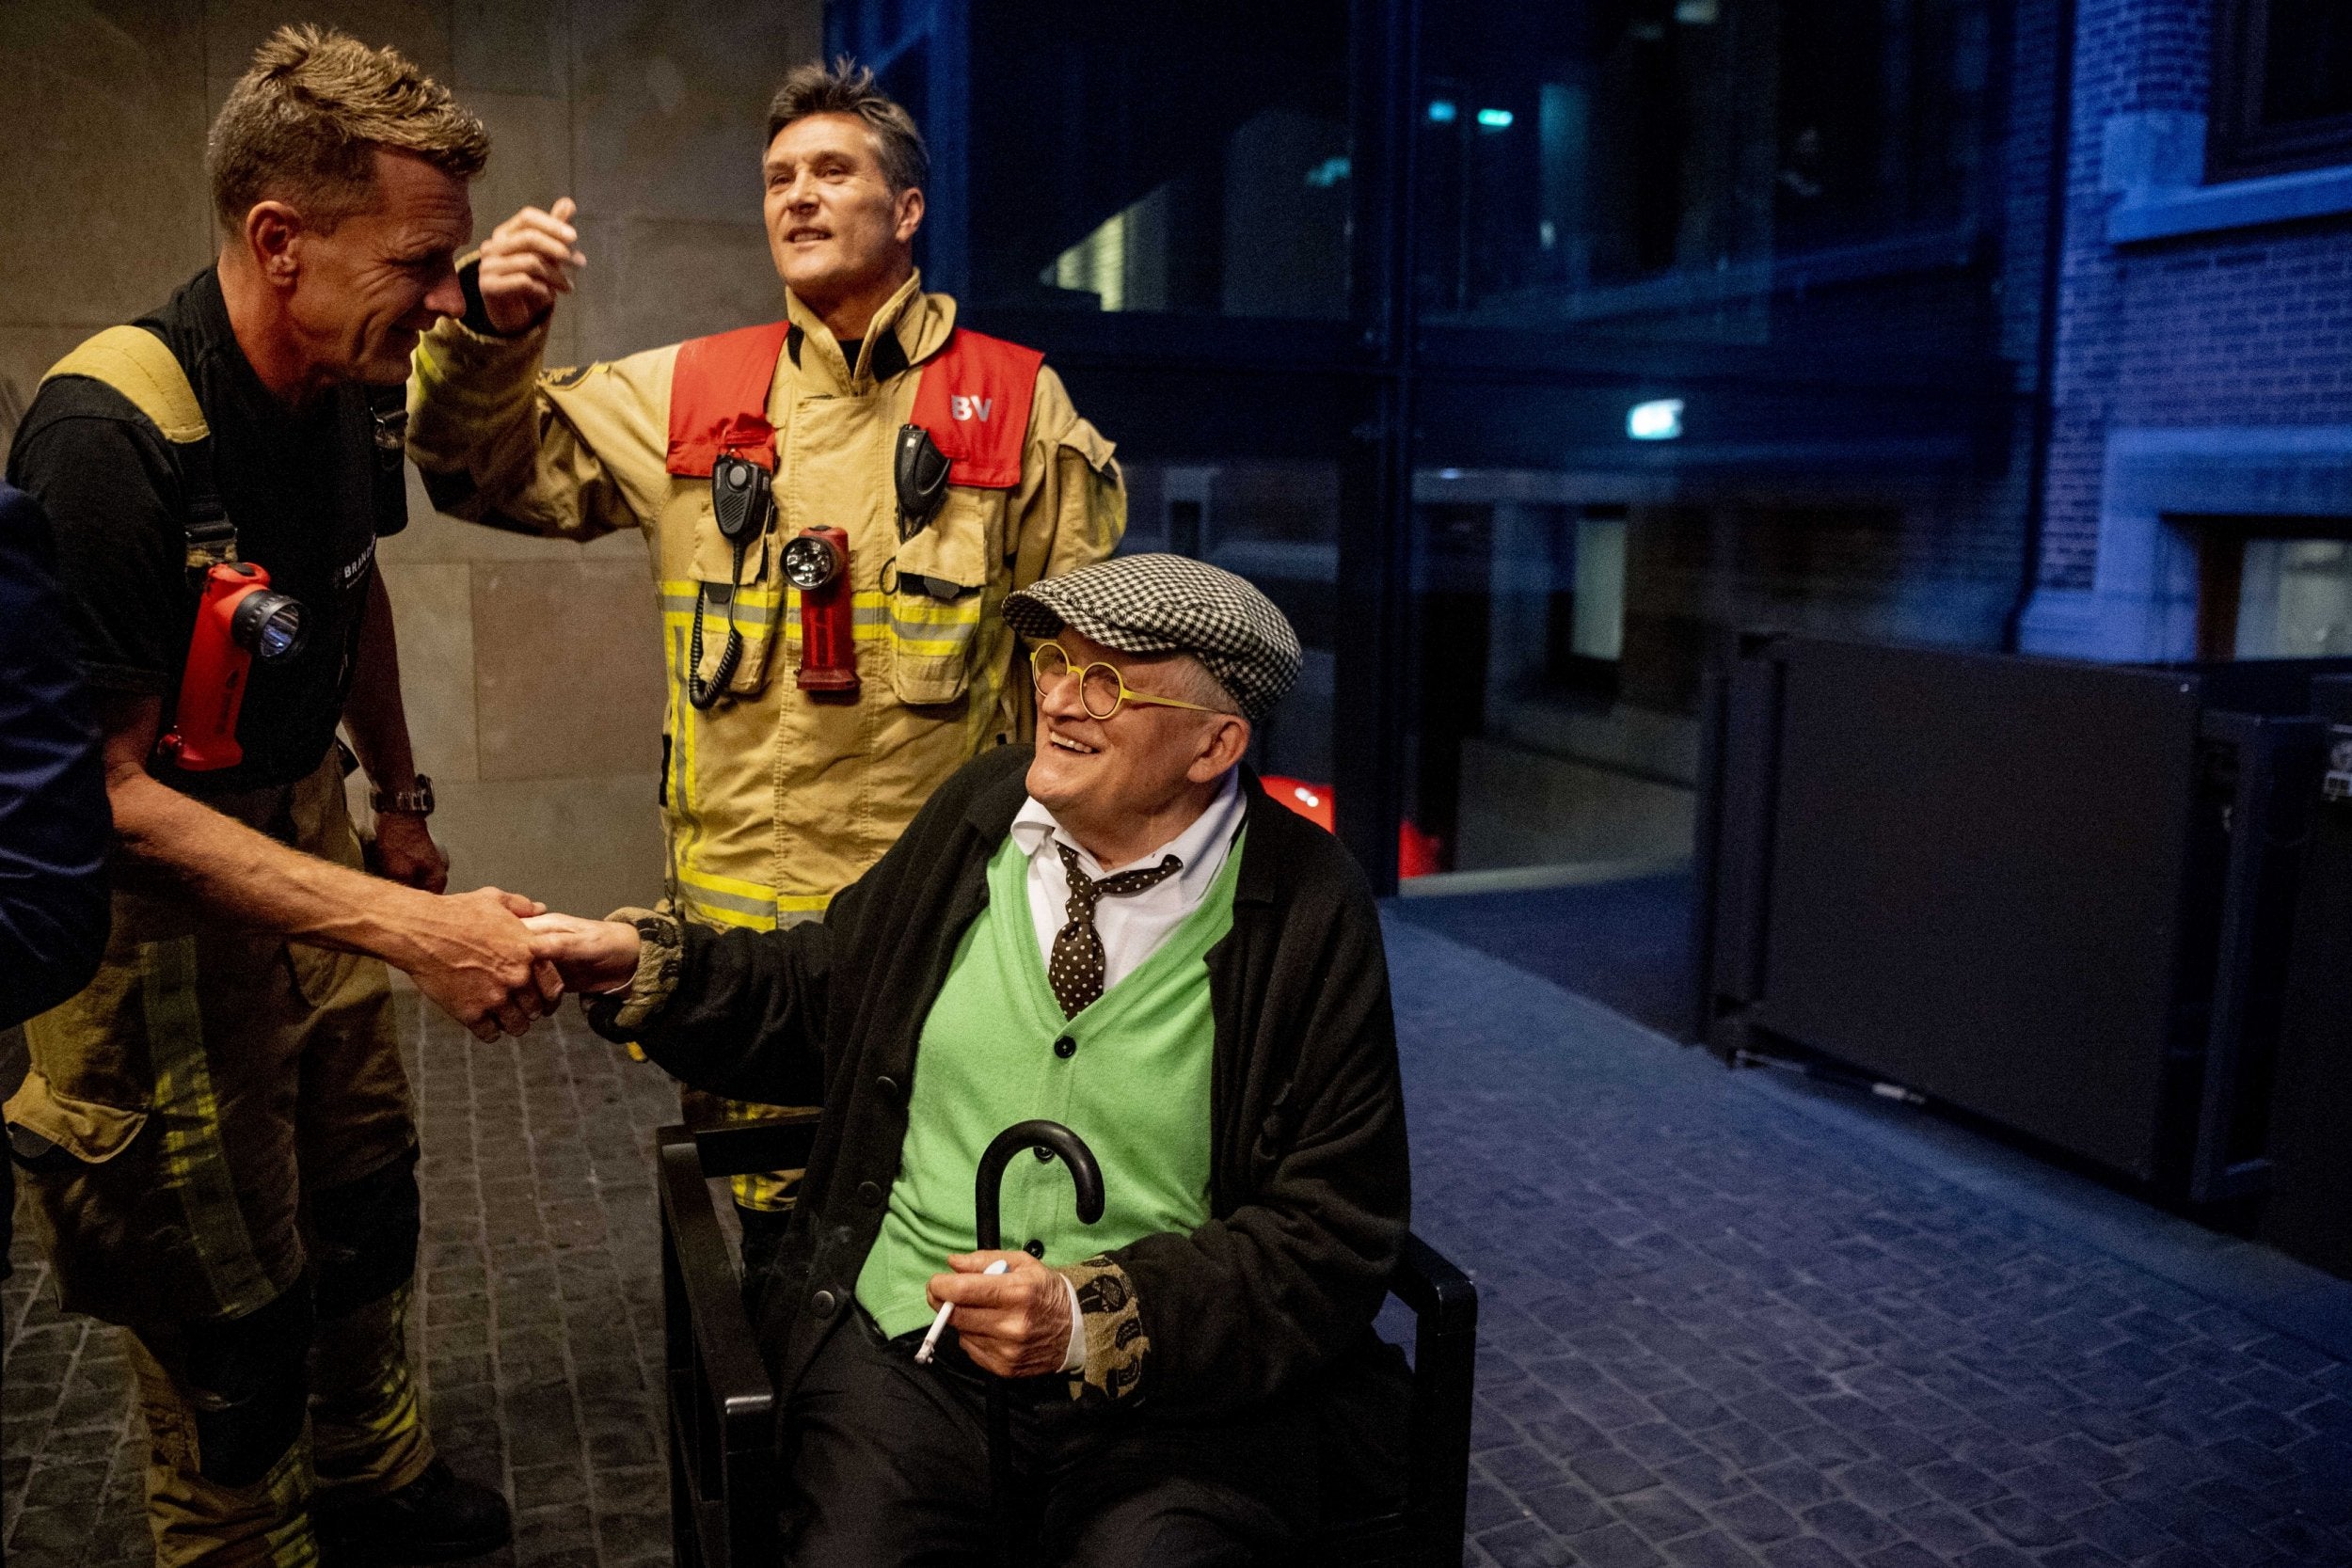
(751, 604)
(937, 585)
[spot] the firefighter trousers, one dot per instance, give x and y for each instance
(217, 1140)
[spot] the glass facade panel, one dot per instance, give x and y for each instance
(1661, 166)
(1687, 316)
(1192, 163)
(1276, 524)
(1553, 713)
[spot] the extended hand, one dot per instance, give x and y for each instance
(469, 953)
(590, 955)
(526, 262)
(404, 853)
(1015, 1324)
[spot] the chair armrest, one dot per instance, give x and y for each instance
(779, 1142)
(1445, 1371)
(1441, 1295)
(713, 1336)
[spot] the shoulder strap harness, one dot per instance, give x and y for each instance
(141, 366)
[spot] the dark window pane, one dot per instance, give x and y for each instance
(1652, 165)
(2307, 61)
(1186, 159)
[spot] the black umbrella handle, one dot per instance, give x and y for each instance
(1073, 1152)
(1020, 1135)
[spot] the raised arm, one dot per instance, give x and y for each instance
(503, 441)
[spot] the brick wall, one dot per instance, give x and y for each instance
(2241, 327)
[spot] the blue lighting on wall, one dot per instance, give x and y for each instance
(1659, 420)
(1441, 112)
(1495, 119)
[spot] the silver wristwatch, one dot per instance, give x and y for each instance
(414, 802)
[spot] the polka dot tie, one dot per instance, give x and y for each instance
(1078, 966)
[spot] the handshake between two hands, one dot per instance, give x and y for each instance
(497, 961)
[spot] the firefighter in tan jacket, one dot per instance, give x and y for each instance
(804, 724)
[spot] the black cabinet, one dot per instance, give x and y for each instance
(2055, 895)
(2309, 1212)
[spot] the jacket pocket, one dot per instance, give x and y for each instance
(93, 1133)
(937, 586)
(745, 607)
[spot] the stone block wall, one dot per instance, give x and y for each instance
(532, 668)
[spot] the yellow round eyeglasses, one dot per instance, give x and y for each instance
(1101, 690)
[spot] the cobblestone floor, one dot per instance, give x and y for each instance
(1720, 1330)
(538, 1313)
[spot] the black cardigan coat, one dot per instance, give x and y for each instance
(1309, 1187)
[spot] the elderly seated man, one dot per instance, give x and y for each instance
(1121, 932)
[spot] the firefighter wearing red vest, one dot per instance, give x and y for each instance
(836, 505)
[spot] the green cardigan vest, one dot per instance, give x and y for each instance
(1135, 1087)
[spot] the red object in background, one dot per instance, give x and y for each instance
(1416, 853)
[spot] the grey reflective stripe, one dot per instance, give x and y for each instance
(958, 632)
(194, 1167)
(682, 741)
(696, 895)
(715, 608)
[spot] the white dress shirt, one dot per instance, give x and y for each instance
(1132, 924)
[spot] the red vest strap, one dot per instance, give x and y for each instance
(719, 399)
(973, 399)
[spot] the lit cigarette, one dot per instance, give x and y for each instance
(939, 1325)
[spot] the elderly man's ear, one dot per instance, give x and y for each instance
(1227, 743)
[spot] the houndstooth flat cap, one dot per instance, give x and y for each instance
(1171, 604)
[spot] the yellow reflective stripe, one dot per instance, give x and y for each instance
(932, 629)
(685, 812)
(940, 612)
(753, 606)
(931, 648)
(870, 611)
(195, 1167)
(731, 901)
(699, 907)
(366, 1426)
(734, 886)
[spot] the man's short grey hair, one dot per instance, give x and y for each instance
(846, 88)
(1200, 685)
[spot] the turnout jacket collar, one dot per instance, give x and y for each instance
(1308, 1188)
(920, 323)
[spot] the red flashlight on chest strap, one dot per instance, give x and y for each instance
(817, 562)
(238, 620)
